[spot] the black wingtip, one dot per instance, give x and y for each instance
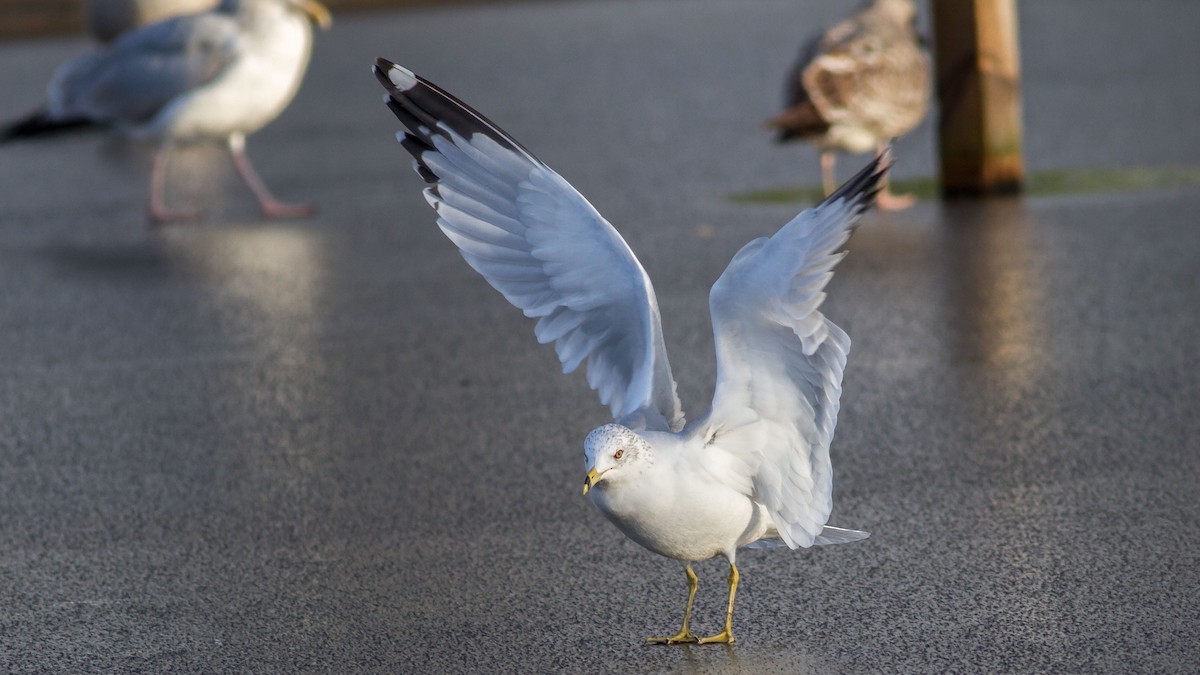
(382, 69)
(866, 183)
(41, 123)
(396, 78)
(426, 109)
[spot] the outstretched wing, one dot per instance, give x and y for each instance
(540, 243)
(779, 364)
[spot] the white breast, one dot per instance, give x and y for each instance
(252, 91)
(681, 512)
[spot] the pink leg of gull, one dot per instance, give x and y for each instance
(271, 207)
(828, 178)
(157, 210)
(885, 200)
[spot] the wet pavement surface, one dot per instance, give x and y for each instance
(327, 446)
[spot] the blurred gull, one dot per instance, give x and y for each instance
(754, 470)
(107, 19)
(216, 75)
(859, 85)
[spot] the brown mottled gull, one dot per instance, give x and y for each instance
(862, 83)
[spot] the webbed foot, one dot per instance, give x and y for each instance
(682, 637)
(886, 201)
(724, 637)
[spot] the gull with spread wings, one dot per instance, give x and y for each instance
(754, 470)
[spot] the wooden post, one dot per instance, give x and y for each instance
(979, 96)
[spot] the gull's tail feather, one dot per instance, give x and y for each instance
(42, 123)
(837, 535)
(799, 121)
(828, 537)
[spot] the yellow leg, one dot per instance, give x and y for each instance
(685, 633)
(726, 636)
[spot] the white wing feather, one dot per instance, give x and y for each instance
(779, 364)
(535, 239)
(132, 79)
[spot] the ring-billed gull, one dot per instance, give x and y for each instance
(752, 471)
(217, 75)
(860, 84)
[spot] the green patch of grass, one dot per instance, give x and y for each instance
(1038, 184)
(1077, 181)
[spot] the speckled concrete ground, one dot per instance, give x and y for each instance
(326, 446)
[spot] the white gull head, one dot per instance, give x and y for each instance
(613, 453)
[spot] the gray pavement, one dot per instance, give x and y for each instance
(326, 446)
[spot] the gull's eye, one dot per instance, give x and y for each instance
(619, 453)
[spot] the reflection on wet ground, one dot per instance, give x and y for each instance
(992, 290)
